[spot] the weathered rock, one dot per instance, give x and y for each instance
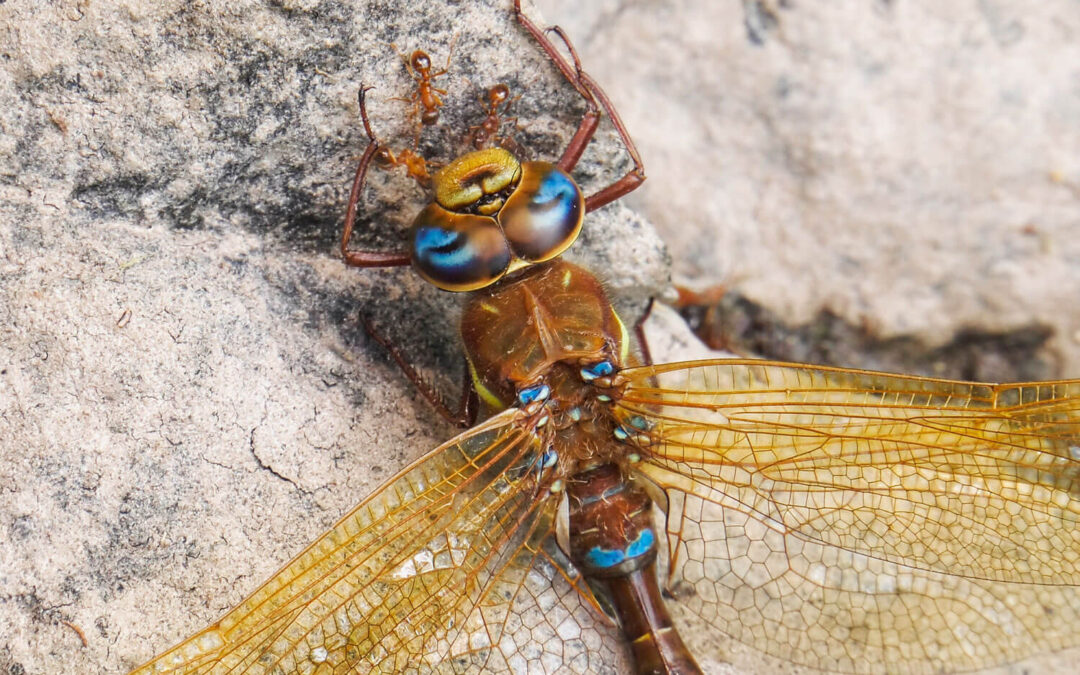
(913, 167)
(186, 394)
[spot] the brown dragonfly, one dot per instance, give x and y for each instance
(845, 520)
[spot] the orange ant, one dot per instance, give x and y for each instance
(484, 133)
(416, 167)
(426, 98)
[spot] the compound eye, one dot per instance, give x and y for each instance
(543, 216)
(458, 252)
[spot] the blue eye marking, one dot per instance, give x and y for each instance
(556, 190)
(602, 369)
(444, 248)
(537, 392)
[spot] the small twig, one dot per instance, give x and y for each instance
(78, 631)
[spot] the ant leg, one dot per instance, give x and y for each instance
(449, 55)
(366, 258)
(595, 99)
(469, 404)
(405, 60)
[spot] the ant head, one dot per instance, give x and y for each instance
(384, 158)
(498, 94)
(420, 61)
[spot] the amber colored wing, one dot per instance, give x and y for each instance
(864, 522)
(431, 573)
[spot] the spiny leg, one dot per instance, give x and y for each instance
(469, 404)
(639, 332)
(366, 258)
(595, 99)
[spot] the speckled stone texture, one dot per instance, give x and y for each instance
(913, 167)
(186, 396)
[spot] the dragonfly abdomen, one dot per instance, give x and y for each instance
(614, 544)
(611, 528)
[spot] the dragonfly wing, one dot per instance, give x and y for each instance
(854, 521)
(545, 617)
(421, 576)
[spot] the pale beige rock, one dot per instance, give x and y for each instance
(912, 166)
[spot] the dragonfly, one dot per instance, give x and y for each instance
(841, 519)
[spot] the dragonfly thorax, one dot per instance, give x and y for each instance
(520, 331)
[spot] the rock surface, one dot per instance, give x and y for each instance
(186, 397)
(186, 394)
(913, 167)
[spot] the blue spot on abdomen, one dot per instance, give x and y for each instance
(603, 558)
(642, 545)
(599, 557)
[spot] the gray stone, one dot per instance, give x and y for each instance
(187, 397)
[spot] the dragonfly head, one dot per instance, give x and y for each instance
(492, 215)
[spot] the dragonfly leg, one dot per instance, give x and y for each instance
(595, 99)
(364, 257)
(468, 405)
(639, 332)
